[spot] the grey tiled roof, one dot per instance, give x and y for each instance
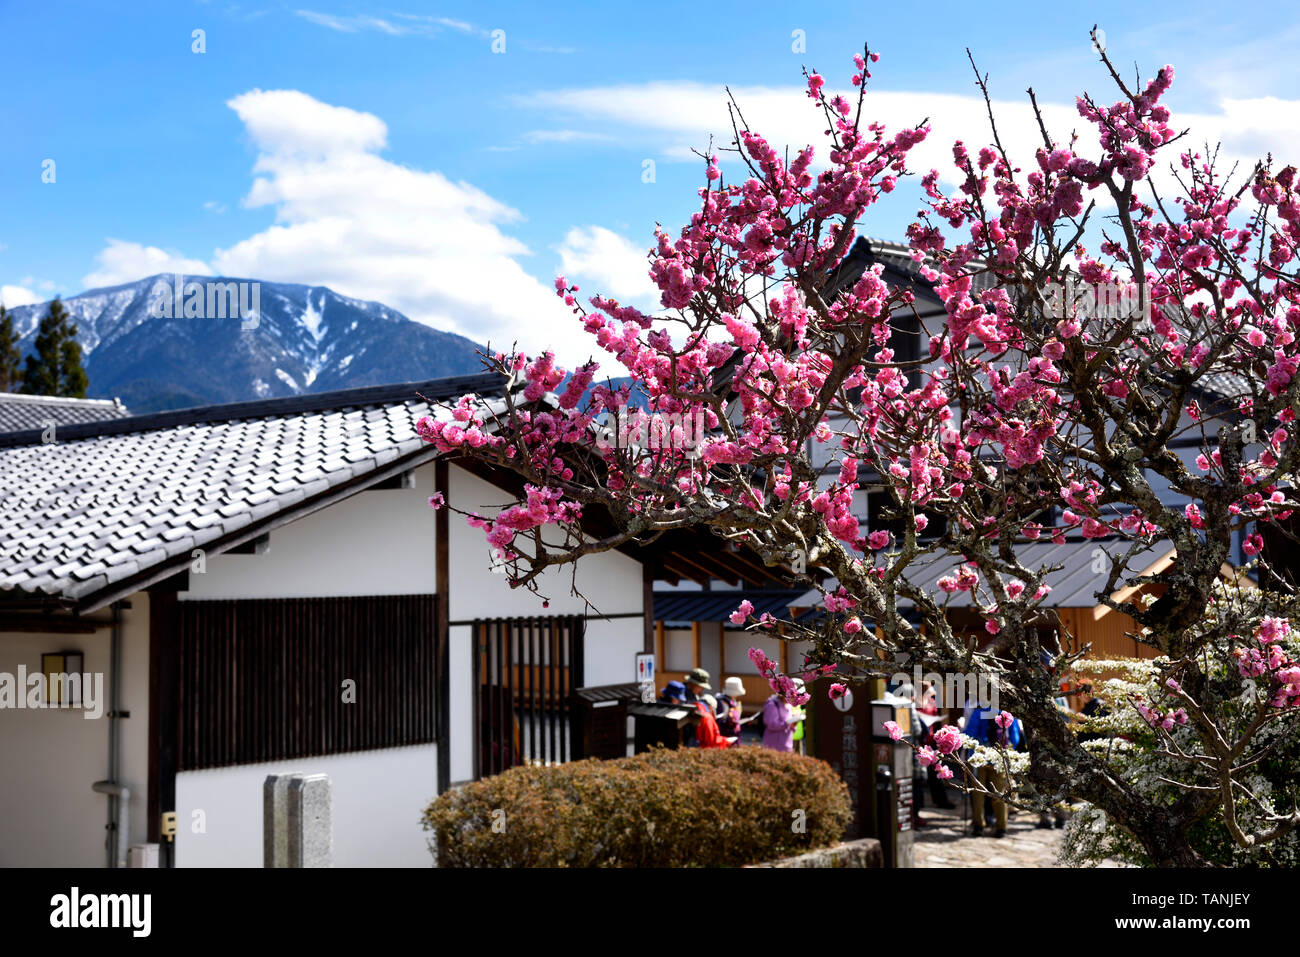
(112, 506)
(19, 412)
(689, 605)
(1074, 585)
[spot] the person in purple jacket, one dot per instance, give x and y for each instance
(779, 721)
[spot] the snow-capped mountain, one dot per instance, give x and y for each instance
(138, 344)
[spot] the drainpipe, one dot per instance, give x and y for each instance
(119, 797)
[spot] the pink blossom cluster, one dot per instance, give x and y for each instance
(965, 580)
(1268, 658)
(784, 685)
(543, 506)
(742, 613)
(1164, 720)
(464, 430)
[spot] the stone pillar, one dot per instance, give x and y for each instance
(311, 833)
(275, 819)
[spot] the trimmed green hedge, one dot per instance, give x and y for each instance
(665, 808)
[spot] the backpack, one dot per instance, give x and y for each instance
(727, 722)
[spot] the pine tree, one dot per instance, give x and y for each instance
(10, 355)
(55, 367)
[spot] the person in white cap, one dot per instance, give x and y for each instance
(729, 712)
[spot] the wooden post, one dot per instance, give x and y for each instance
(648, 608)
(660, 663)
(722, 649)
(164, 708)
(442, 628)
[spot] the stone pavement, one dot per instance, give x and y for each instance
(947, 842)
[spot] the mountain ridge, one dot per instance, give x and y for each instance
(306, 339)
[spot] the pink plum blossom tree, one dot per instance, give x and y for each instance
(1030, 415)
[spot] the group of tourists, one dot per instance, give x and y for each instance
(985, 725)
(719, 718)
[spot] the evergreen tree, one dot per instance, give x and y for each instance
(10, 355)
(55, 367)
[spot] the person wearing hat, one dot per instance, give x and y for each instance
(780, 719)
(698, 688)
(674, 693)
(729, 712)
(706, 731)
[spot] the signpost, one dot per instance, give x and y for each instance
(645, 676)
(841, 732)
(849, 734)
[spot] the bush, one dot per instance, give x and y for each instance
(1267, 787)
(664, 808)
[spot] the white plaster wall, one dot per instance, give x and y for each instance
(460, 720)
(374, 543)
(49, 817)
(611, 648)
(611, 580)
(738, 645)
(679, 652)
(377, 798)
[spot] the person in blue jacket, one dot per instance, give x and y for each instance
(983, 726)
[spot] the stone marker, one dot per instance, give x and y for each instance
(275, 819)
(311, 834)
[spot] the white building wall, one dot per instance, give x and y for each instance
(49, 759)
(374, 543)
(611, 579)
(377, 798)
(460, 718)
(377, 542)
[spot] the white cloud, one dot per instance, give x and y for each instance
(214, 206)
(414, 24)
(672, 118)
(353, 24)
(286, 123)
(122, 261)
(11, 297)
(614, 265)
(459, 25)
(566, 136)
(347, 218)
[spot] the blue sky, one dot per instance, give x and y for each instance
(390, 153)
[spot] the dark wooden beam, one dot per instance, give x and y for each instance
(254, 546)
(706, 563)
(683, 570)
(442, 638)
(164, 709)
(648, 609)
(752, 572)
(402, 480)
(51, 624)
